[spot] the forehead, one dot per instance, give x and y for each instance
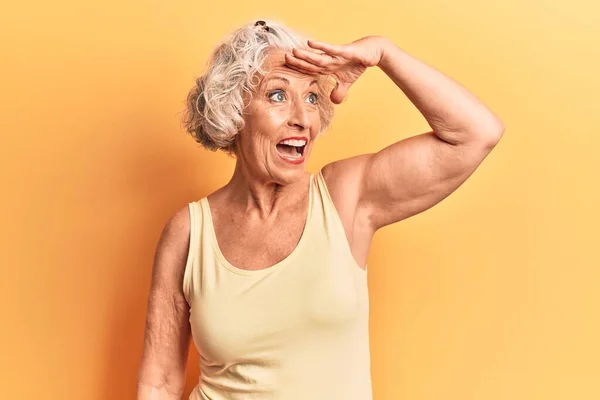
(274, 64)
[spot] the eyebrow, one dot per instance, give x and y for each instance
(281, 78)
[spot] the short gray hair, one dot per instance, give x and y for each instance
(214, 109)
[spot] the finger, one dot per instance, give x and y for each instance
(303, 65)
(318, 59)
(328, 48)
(300, 70)
(338, 94)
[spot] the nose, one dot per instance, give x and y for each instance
(299, 118)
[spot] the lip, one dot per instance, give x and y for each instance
(291, 160)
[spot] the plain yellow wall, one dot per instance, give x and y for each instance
(491, 295)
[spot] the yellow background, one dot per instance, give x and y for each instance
(491, 295)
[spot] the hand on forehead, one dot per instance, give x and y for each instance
(275, 61)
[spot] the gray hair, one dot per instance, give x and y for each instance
(214, 109)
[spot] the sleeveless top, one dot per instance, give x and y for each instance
(295, 330)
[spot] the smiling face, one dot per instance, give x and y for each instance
(281, 122)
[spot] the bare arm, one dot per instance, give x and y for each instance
(161, 374)
(413, 174)
(416, 173)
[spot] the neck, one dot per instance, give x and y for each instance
(263, 193)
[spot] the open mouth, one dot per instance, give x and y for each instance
(292, 148)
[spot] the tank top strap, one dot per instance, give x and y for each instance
(331, 220)
(191, 264)
(324, 204)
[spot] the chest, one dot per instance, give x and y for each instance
(258, 245)
(316, 303)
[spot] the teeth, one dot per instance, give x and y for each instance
(292, 142)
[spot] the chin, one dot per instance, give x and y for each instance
(289, 173)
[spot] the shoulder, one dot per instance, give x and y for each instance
(172, 248)
(176, 230)
(343, 179)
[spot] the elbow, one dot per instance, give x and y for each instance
(495, 134)
(147, 391)
(151, 382)
(487, 133)
(490, 133)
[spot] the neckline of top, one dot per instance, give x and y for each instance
(272, 268)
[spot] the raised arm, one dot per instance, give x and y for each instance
(415, 173)
(161, 373)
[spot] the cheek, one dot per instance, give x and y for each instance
(316, 123)
(274, 116)
(268, 124)
(263, 122)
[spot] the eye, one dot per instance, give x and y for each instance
(277, 95)
(314, 97)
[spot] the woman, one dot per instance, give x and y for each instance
(268, 273)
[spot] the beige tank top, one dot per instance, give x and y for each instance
(295, 330)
